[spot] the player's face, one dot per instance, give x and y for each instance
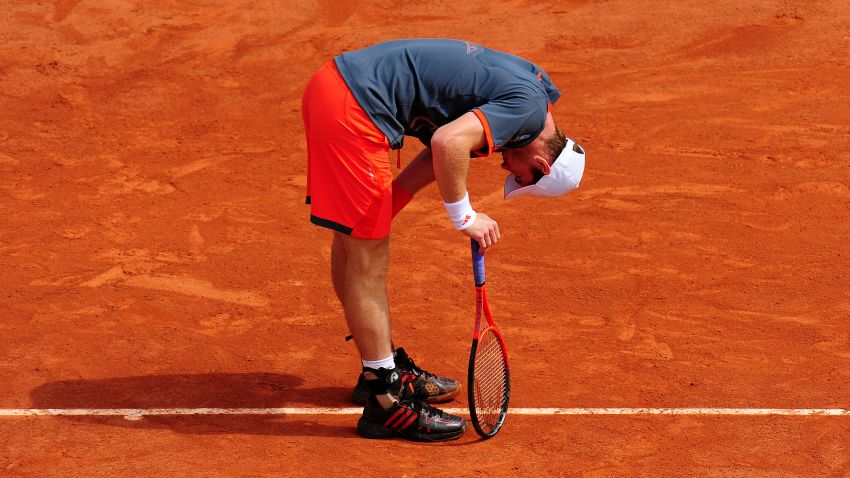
(521, 162)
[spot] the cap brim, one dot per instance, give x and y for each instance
(514, 189)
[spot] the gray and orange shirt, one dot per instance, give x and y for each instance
(412, 87)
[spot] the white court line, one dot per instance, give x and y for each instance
(139, 413)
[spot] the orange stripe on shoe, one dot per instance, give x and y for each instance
(408, 423)
(395, 415)
(487, 132)
(401, 419)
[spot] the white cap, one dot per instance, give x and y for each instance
(564, 176)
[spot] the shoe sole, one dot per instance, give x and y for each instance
(446, 397)
(373, 431)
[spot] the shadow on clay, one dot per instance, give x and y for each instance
(214, 390)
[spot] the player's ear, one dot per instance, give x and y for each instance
(541, 163)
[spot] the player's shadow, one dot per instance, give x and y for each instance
(193, 391)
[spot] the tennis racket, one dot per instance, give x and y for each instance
(489, 385)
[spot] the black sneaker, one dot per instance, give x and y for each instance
(427, 387)
(408, 418)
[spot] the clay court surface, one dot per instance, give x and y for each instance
(155, 250)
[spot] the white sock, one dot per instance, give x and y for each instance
(387, 363)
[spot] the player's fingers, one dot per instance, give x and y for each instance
(493, 237)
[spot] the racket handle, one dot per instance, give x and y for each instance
(477, 264)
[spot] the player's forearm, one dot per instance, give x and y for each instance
(451, 165)
(450, 148)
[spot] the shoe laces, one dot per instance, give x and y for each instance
(406, 398)
(428, 410)
(425, 409)
(408, 364)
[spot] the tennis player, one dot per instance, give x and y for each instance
(461, 100)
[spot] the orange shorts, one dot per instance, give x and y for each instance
(349, 180)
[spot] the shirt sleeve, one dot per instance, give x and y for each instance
(512, 121)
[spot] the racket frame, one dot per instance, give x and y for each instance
(482, 309)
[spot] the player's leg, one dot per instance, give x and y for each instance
(364, 293)
(392, 407)
(338, 264)
(415, 176)
(427, 387)
(418, 173)
(349, 191)
(338, 269)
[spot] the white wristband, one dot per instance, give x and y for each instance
(461, 213)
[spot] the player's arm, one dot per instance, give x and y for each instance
(420, 171)
(451, 146)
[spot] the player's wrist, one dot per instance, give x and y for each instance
(461, 213)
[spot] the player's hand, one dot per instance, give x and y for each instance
(483, 230)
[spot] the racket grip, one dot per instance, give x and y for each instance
(477, 264)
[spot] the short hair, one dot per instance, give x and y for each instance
(553, 147)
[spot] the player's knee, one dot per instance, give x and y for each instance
(367, 258)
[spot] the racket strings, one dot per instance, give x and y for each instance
(490, 380)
